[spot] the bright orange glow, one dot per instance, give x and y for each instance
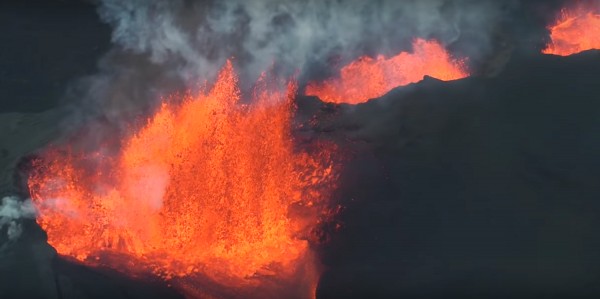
(207, 189)
(367, 78)
(575, 30)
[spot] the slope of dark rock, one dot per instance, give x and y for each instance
(482, 187)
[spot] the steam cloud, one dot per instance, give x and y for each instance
(292, 33)
(11, 210)
(166, 46)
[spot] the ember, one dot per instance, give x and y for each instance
(209, 187)
(367, 78)
(576, 29)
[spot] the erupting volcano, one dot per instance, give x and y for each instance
(367, 78)
(576, 29)
(207, 188)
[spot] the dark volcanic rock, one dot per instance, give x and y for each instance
(482, 187)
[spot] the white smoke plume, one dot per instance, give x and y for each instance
(165, 46)
(11, 211)
(197, 36)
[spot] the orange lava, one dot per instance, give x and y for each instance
(575, 30)
(367, 78)
(209, 188)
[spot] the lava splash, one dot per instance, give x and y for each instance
(209, 189)
(576, 29)
(367, 78)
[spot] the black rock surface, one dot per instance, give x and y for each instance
(479, 188)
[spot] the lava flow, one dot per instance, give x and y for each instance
(367, 78)
(575, 30)
(209, 189)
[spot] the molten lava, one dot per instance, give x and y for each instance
(207, 188)
(575, 30)
(367, 78)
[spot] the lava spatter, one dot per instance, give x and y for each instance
(367, 78)
(576, 29)
(206, 188)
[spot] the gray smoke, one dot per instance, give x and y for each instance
(196, 37)
(165, 46)
(11, 211)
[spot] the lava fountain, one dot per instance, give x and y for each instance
(576, 29)
(209, 189)
(367, 78)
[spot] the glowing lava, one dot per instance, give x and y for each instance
(575, 30)
(207, 189)
(367, 78)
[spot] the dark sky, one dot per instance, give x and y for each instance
(479, 188)
(45, 45)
